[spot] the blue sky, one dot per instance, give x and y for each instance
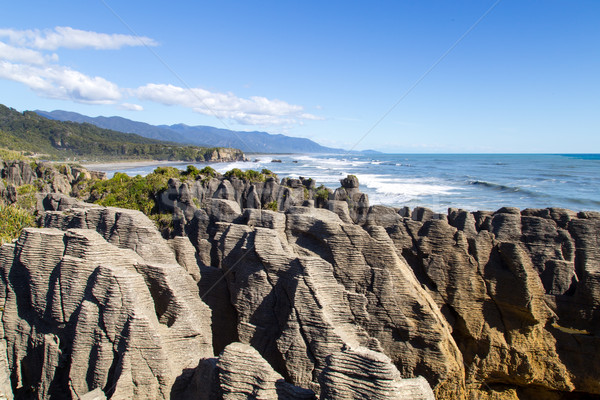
(525, 79)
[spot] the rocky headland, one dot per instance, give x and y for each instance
(267, 288)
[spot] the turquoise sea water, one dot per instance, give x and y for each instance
(439, 181)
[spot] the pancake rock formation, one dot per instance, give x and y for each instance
(327, 298)
(96, 303)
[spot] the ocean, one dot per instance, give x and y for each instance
(439, 181)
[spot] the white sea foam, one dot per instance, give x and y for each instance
(410, 187)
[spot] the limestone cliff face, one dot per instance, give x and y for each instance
(518, 289)
(225, 154)
(97, 303)
(312, 285)
(346, 301)
(79, 313)
(50, 177)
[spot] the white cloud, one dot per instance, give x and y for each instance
(70, 38)
(62, 83)
(19, 54)
(252, 111)
(25, 58)
(131, 107)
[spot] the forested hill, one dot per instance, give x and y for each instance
(250, 142)
(54, 139)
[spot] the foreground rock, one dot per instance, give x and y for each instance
(80, 313)
(519, 290)
(97, 304)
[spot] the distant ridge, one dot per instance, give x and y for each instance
(33, 133)
(249, 142)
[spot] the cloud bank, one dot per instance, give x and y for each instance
(27, 56)
(70, 38)
(252, 111)
(63, 83)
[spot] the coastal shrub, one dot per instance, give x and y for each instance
(271, 206)
(13, 220)
(268, 173)
(249, 175)
(236, 172)
(138, 193)
(306, 194)
(191, 171)
(322, 193)
(163, 221)
(170, 172)
(208, 171)
(123, 191)
(254, 176)
(26, 189)
(26, 197)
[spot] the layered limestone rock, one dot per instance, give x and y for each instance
(518, 289)
(127, 229)
(306, 285)
(80, 314)
(185, 198)
(345, 301)
(225, 154)
(366, 374)
(244, 374)
(47, 177)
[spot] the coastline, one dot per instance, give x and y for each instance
(112, 166)
(437, 182)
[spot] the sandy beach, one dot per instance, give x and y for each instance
(114, 166)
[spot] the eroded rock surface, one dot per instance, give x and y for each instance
(244, 374)
(366, 374)
(518, 289)
(81, 314)
(344, 301)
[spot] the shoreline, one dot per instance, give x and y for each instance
(437, 182)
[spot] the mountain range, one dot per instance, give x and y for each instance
(53, 139)
(249, 142)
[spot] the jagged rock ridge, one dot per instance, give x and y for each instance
(104, 309)
(483, 305)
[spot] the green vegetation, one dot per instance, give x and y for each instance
(249, 175)
(322, 193)
(138, 193)
(29, 132)
(26, 197)
(268, 174)
(271, 206)
(163, 221)
(6, 154)
(13, 219)
(208, 171)
(141, 193)
(191, 171)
